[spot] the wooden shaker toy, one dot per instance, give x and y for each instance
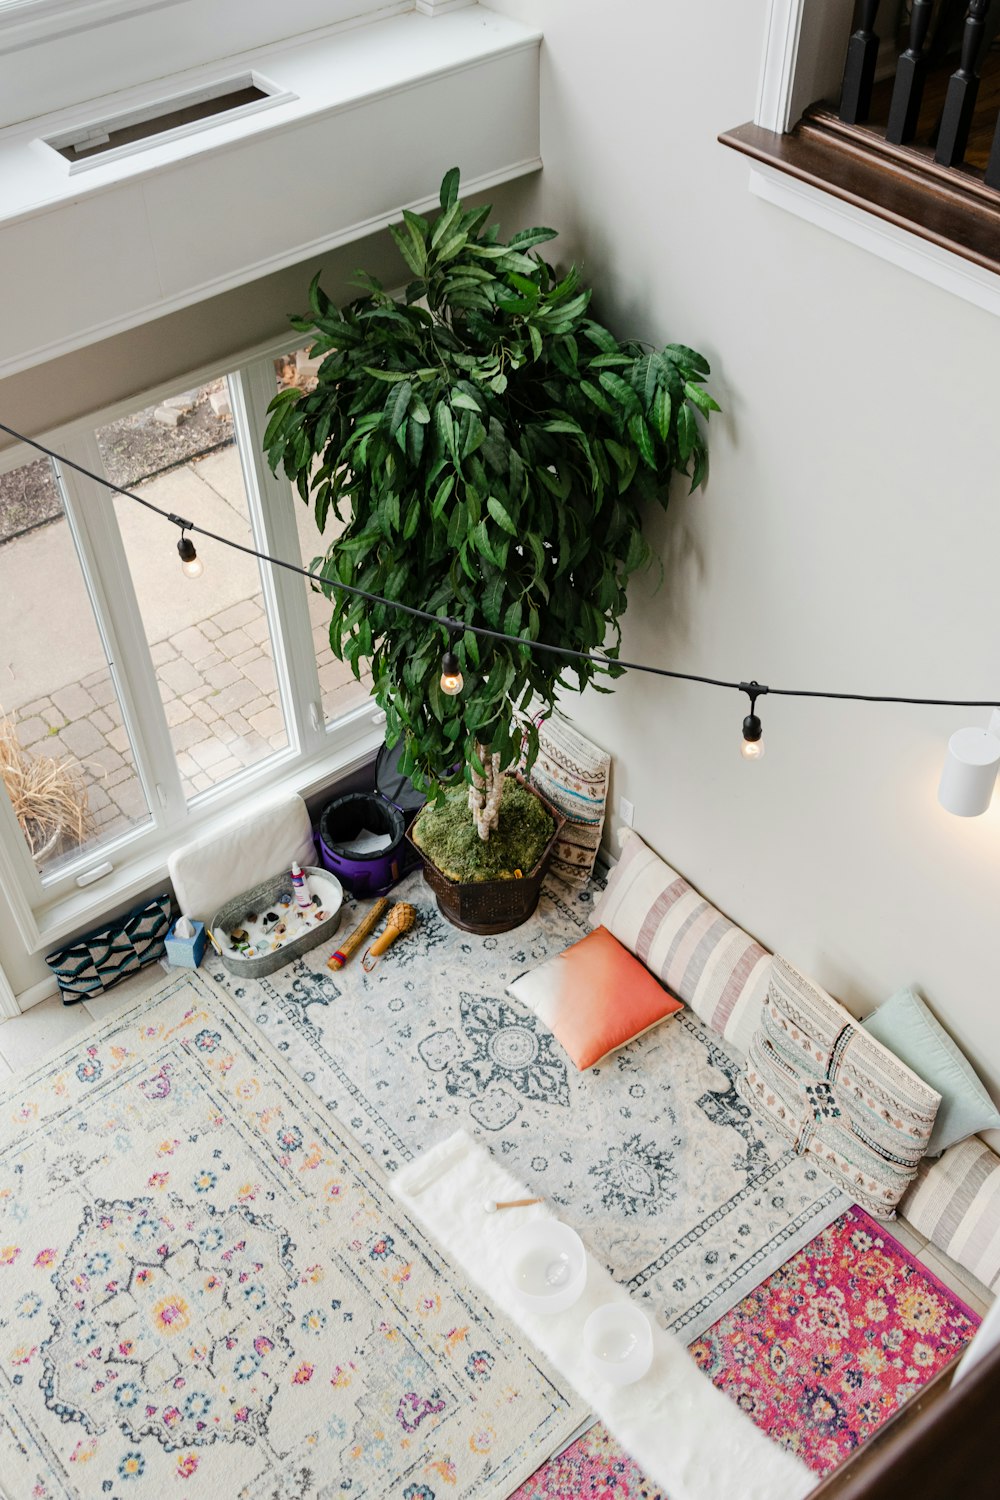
(400, 920)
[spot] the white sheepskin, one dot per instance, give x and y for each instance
(689, 1438)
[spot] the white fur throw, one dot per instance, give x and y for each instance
(690, 1439)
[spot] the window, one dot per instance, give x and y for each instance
(150, 703)
(339, 690)
(68, 763)
(923, 191)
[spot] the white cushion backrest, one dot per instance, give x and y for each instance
(212, 870)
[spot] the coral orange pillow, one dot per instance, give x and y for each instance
(594, 997)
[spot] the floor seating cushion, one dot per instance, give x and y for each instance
(836, 1092)
(573, 775)
(906, 1026)
(955, 1202)
(209, 872)
(700, 955)
(594, 997)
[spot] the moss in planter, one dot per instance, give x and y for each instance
(447, 835)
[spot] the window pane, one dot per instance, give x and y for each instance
(208, 636)
(339, 690)
(67, 761)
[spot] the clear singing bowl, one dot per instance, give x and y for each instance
(546, 1266)
(618, 1343)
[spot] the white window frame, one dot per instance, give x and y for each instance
(46, 910)
(799, 66)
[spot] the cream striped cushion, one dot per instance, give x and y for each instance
(701, 956)
(955, 1202)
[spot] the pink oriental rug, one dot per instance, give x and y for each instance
(819, 1356)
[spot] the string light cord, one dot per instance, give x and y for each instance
(458, 627)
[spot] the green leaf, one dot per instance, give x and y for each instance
(643, 441)
(405, 246)
(445, 424)
(500, 515)
(536, 341)
(400, 405)
(465, 401)
(682, 354)
(702, 400)
(662, 407)
(597, 397)
(622, 392)
(525, 238)
(687, 432)
(491, 602)
(442, 497)
(445, 222)
(449, 187)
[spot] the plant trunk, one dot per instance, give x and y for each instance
(485, 792)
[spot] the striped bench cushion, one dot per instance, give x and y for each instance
(836, 1093)
(955, 1202)
(698, 954)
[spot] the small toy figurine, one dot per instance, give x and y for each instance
(400, 920)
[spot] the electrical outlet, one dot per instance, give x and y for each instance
(626, 812)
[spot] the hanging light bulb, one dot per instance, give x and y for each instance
(191, 564)
(452, 681)
(752, 744)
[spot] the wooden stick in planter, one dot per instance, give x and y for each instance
(353, 941)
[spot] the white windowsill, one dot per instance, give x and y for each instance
(358, 740)
(380, 111)
(324, 74)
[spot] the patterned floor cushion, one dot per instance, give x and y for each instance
(837, 1094)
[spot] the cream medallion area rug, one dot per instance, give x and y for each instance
(681, 1190)
(206, 1290)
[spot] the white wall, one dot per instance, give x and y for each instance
(849, 537)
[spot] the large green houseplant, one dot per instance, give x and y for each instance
(490, 448)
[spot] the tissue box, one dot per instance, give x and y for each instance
(186, 953)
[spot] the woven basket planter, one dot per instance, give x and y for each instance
(486, 907)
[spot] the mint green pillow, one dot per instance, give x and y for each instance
(906, 1026)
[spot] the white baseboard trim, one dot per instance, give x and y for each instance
(8, 1000)
(43, 990)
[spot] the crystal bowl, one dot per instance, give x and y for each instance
(546, 1266)
(618, 1343)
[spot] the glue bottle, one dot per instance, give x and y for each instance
(300, 887)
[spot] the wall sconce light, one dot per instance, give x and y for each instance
(970, 769)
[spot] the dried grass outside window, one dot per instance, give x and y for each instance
(48, 794)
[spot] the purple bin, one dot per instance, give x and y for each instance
(385, 812)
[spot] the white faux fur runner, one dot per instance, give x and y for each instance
(690, 1439)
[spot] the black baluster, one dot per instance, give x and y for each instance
(911, 70)
(859, 69)
(963, 86)
(993, 166)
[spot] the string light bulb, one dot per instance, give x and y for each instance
(191, 564)
(752, 744)
(452, 681)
